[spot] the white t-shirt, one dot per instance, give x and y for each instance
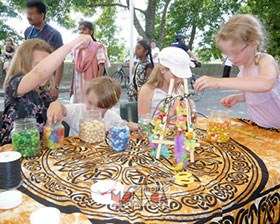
(155, 51)
(76, 111)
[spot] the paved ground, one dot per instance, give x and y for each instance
(209, 101)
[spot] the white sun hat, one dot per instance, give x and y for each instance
(177, 60)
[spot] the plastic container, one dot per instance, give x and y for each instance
(144, 126)
(218, 128)
(26, 137)
(92, 127)
(53, 135)
(119, 136)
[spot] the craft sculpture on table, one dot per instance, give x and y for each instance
(184, 141)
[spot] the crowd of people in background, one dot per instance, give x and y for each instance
(34, 74)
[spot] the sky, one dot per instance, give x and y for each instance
(68, 35)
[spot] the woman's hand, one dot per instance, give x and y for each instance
(56, 112)
(206, 82)
(82, 41)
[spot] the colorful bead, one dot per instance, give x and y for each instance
(119, 138)
(53, 136)
(27, 142)
(218, 131)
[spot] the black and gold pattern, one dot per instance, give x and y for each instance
(227, 176)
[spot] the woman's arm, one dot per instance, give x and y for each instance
(261, 83)
(145, 100)
(44, 70)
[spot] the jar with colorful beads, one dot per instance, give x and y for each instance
(92, 127)
(144, 126)
(26, 137)
(119, 136)
(218, 128)
(53, 135)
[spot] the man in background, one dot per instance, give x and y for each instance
(36, 14)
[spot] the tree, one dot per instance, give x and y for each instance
(268, 11)
(108, 34)
(7, 11)
(202, 17)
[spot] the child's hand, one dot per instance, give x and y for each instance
(55, 112)
(229, 101)
(206, 82)
(132, 126)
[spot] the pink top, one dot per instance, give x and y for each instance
(264, 108)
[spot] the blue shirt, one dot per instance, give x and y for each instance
(180, 45)
(46, 33)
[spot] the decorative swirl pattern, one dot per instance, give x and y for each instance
(224, 174)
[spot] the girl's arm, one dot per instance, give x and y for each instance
(44, 70)
(261, 83)
(145, 100)
(149, 71)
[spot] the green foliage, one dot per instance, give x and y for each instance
(106, 31)
(268, 11)
(7, 11)
(205, 17)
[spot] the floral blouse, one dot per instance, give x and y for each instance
(139, 79)
(30, 105)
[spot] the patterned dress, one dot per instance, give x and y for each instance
(31, 105)
(139, 79)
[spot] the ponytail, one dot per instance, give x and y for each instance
(146, 45)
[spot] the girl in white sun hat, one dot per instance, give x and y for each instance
(174, 63)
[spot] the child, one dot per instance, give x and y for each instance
(89, 64)
(142, 69)
(241, 39)
(102, 93)
(173, 64)
(25, 86)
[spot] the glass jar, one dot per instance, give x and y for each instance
(119, 136)
(53, 135)
(92, 127)
(26, 137)
(218, 128)
(144, 126)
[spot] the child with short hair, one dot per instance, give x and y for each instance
(241, 39)
(26, 84)
(102, 93)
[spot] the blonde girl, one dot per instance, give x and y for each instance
(25, 85)
(173, 64)
(242, 39)
(102, 93)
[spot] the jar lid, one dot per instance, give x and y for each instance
(10, 199)
(6, 157)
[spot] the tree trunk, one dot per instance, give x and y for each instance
(192, 36)
(163, 23)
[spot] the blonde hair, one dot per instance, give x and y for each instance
(156, 79)
(246, 28)
(21, 63)
(107, 90)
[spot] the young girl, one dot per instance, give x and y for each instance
(173, 64)
(25, 86)
(142, 70)
(102, 93)
(241, 39)
(89, 64)
(9, 51)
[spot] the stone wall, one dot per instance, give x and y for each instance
(206, 69)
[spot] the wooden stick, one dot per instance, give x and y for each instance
(165, 142)
(189, 114)
(162, 135)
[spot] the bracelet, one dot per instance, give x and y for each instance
(56, 86)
